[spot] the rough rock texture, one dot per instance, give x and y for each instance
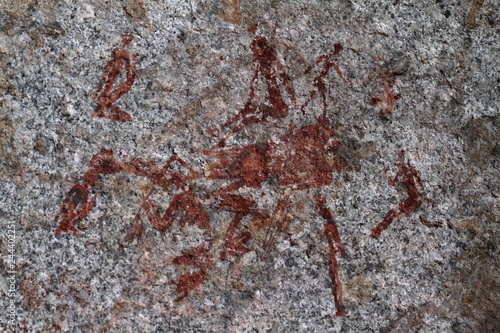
(419, 76)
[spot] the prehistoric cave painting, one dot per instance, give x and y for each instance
(408, 176)
(106, 94)
(302, 159)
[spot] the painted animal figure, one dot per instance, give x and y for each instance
(302, 159)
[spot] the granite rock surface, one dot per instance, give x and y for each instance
(263, 108)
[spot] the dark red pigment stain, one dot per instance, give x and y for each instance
(385, 75)
(105, 95)
(408, 176)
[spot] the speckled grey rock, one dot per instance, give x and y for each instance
(434, 270)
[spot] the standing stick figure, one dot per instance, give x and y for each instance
(105, 95)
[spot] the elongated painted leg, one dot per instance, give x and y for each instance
(334, 246)
(137, 226)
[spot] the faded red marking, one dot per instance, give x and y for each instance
(105, 95)
(383, 72)
(269, 241)
(334, 246)
(267, 65)
(267, 223)
(409, 178)
(199, 258)
(177, 210)
(137, 226)
(136, 230)
(319, 81)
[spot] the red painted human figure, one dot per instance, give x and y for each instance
(408, 176)
(107, 95)
(269, 67)
(328, 62)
